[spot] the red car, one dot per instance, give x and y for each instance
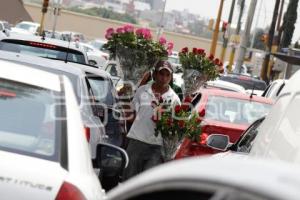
(223, 112)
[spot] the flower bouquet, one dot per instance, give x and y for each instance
(135, 50)
(198, 68)
(174, 124)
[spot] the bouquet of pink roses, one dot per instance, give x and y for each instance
(135, 49)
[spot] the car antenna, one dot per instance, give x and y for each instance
(252, 92)
(67, 54)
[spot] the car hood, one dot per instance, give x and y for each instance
(25, 177)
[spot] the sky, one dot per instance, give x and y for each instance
(209, 9)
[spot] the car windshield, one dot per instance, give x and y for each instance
(27, 27)
(27, 120)
(233, 110)
(42, 50)
(102, 89)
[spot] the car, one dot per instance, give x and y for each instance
(43, 147)
(72, 36)
(105, 104)
(242, 145)
(44, 47)
(98, 44)
(247, 82)
(96, 57)
(26, 27)
(273, 90)
(278, 136)
(93, 127)
(117, 75)
(223, 112)
(224, 85)
(213, 178)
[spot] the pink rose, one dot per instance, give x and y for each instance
(120, 30)
(109, 33)
(128, 28)
(162, 41)
(147, 34)
(170, 46)
(139, 32)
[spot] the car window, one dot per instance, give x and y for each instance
(42, 50)
(102, 89)
(233, 110)
(247, 82)
(28, 122)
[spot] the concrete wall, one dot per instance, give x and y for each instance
(95, 27)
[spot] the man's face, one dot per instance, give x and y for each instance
(163, 77)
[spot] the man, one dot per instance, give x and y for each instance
(144, 148)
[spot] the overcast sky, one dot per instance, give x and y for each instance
(209, 9)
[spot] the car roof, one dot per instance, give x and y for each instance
(274, 179)
(33, 38)
(23, 73)
(226, 85)
(237, 95)
(41, 62)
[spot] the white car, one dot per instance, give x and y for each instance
(230, 178)
(225, 85)
(25, 27)
(44, 47)
(98, 43)
(43, 149)
(278, 136)
(274, 89)
(95, 57)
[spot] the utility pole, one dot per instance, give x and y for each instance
(237, 32)
(44, 11)
(216, 31)
(225, 38)
(265, 67)
(279, 26)
(245, 37)
(57, 7)
(256, 24)
(161, 23)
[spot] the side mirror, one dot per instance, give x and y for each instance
(111, 160)
(218, 141)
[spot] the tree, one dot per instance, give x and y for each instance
(289, 20)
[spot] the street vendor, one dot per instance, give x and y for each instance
(144, 148)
